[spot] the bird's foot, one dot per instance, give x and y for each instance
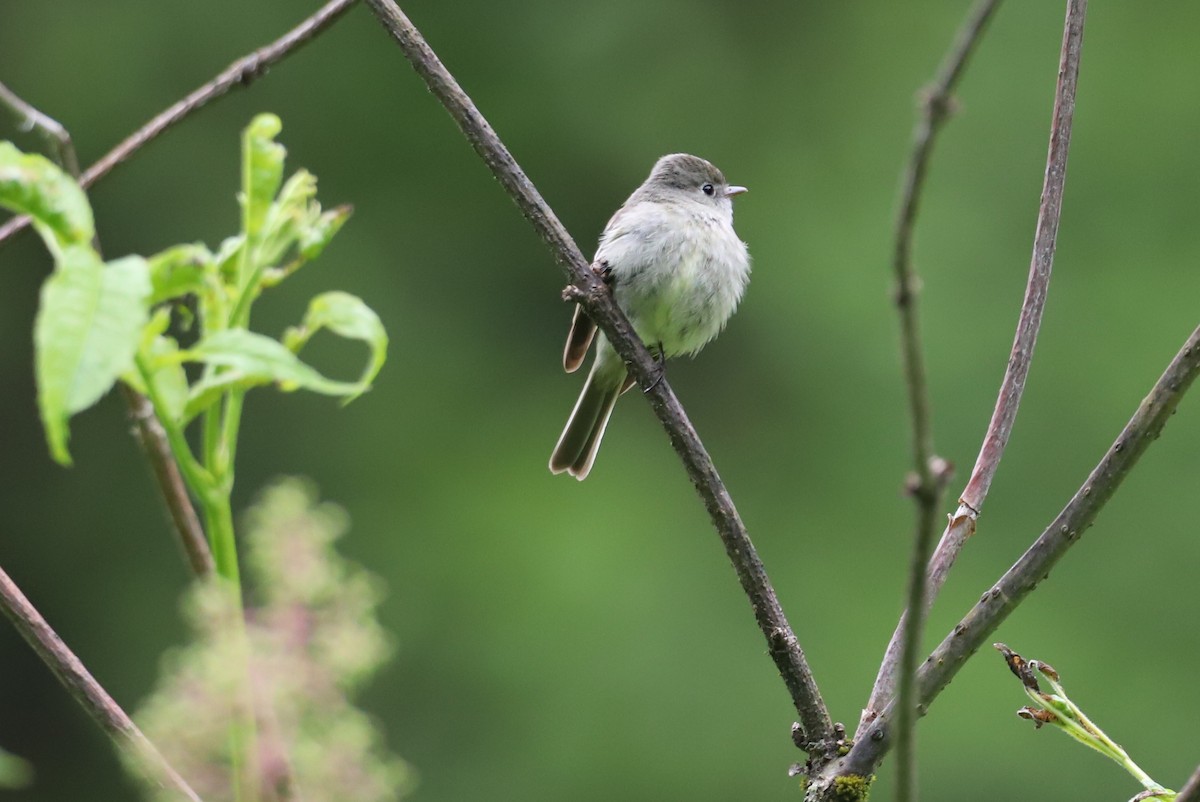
(660, 357)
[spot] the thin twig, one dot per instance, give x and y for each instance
(1191, 791)
(240, 73)
(30, 119)
(83, 686)
(1034, 565)
(930, 472)
(962, 523)
(590, 291)
(149, 432)
(170, 484)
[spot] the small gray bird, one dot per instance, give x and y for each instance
(677, 269)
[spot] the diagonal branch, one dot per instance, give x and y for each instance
(1191, 791)
(962, 523)
(994, 606)
(240, 73)
(148, 430)
(83, 686)
(593, 295)
(930, 473)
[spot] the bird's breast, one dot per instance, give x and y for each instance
(678, 277)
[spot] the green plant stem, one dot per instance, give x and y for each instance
(231, 427)
(213, 484)
(240, 317)
(195, 474)
(243, 732)
(218, 515)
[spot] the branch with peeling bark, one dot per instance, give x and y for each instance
(591, 292)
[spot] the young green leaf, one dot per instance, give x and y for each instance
(86, 333)
(210, 389)
(162, 364)
(178, 271)
(347, 316)
(262, 171)
(317, 234)
(33, 185)
(256, 358)
(287, 217)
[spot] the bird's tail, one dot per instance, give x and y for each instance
(580, 440)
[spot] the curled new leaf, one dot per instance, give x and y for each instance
(347, 316)
(251, 358)
(262, 171)
(287, 216)
(87, 330)
(317, 234)
(33, 185)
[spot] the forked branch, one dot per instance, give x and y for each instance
(962, 523)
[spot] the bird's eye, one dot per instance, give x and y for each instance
(708, 189)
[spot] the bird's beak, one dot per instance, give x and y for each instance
(731, 191)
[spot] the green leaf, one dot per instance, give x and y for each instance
(256, 358)
(163, 363)
(315, 236)
(159, 322)
(287, 217)
(262, 171)
(85, 336)
(211, 388)
(178, 271)
(347, 316)
(33, 185)
(15, 772)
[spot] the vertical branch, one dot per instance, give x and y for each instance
(962, 523)
(930, 473)
(86, 690)
(818, 733)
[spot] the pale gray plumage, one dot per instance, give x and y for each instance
(677, 269)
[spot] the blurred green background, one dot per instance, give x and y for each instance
(561, 641)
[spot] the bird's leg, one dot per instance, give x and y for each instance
(604, 270)
(660, 356)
